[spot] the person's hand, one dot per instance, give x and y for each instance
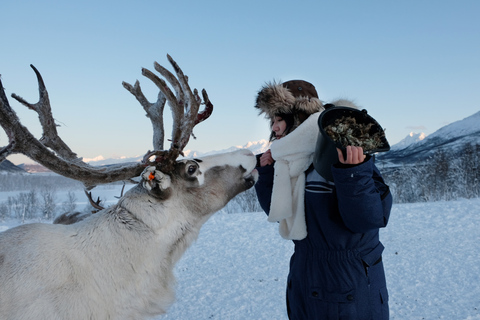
(266, 158)
(354, 155)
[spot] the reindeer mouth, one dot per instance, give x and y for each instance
(251, 178)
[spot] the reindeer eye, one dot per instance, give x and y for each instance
(191, 169)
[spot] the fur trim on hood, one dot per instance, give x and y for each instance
(295, 97)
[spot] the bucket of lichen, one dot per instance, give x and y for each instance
(340, 127)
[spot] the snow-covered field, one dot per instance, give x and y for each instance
(238, 267)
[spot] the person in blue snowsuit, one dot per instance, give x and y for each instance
(336, 271)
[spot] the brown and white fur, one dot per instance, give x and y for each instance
(117, 264)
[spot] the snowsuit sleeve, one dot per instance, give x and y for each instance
(364, 200)
(264, 186)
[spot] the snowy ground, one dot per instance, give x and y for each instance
(238, 267)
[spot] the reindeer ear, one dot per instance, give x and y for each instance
(153, 179)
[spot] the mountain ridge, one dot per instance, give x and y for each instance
(451, 139)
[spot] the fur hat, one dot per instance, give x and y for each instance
(295, 97)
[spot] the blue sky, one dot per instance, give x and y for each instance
(414, 65)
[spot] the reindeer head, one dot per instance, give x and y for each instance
(223, 176)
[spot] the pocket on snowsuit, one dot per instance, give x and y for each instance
(332, 305)
(378, 292)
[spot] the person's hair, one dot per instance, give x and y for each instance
(289, 120)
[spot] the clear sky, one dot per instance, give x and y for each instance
(414, 65)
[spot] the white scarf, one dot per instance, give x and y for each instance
(293, 154)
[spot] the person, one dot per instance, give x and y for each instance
(336, 270)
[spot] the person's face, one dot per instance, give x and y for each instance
(279, 125)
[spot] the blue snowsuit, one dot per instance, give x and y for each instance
(336, 272)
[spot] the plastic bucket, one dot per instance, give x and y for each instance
(326, 149)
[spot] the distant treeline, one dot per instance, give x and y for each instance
(440, 177)
(35, 196)
(36, 205)
(444, 176)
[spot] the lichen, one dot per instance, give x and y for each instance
(348, 132)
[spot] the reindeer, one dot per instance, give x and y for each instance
(117, 263)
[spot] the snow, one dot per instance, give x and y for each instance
(237, 268)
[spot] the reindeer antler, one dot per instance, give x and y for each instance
(52, 152)
(185, 106)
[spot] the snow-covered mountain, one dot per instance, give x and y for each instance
(451, 139)
(256, 147)
(409, 140)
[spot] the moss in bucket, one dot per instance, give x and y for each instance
(348, 132)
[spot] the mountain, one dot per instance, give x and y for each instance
(409, 140)
(256, 147)
(100, 161)
(451, 139)
(34, 168)
(8, 167)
